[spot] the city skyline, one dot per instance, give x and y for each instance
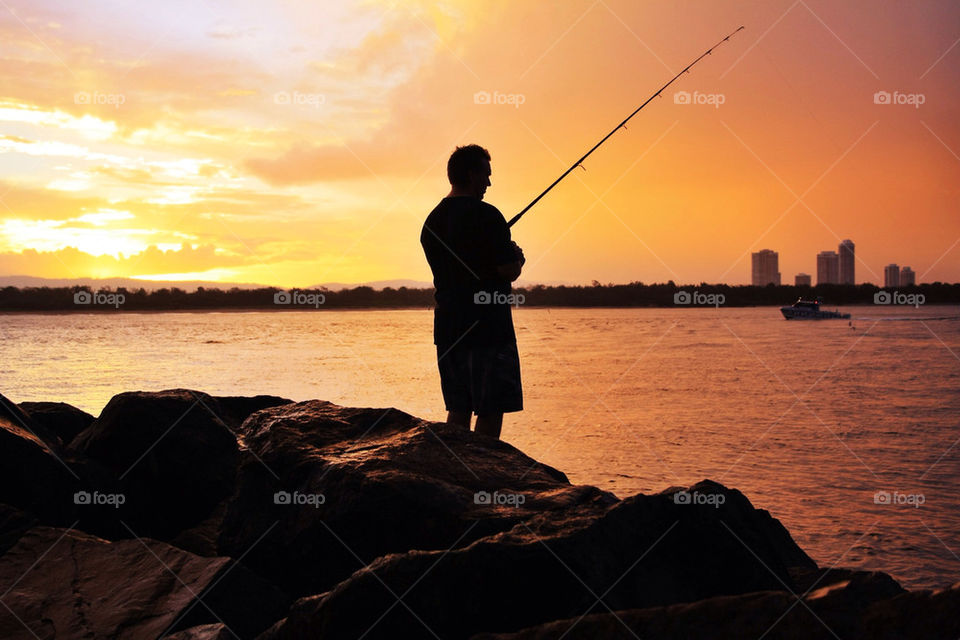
(832, 267)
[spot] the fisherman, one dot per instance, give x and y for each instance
(467, 244)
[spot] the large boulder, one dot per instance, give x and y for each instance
(174, 457)
(36, 473)
(235, 409)
(926, 614)
(865, 606)
(646, 551)
(328, 489)
(59, 418)
(14, 415)
(62, 583)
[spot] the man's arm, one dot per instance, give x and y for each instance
(511, 270)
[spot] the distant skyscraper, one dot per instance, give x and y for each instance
(907, 277)
(847, 262)
(802, 280)
(891, 276)
(828, 267)
(766, 268)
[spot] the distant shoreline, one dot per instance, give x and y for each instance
(636, 295)
(273, 309)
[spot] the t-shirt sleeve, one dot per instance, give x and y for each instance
(500, 242)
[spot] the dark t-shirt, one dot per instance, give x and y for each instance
(465, 240)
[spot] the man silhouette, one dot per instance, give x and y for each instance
(467, 243)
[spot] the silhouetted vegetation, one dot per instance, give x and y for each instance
(635, 294)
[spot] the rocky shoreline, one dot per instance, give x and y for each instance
(183, 515)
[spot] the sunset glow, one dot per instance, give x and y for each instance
(299, 143)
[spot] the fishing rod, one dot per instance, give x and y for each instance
(576, 164)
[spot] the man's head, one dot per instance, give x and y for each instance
(469, 170)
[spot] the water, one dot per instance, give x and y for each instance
(809, 419)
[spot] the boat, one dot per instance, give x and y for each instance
(810, 310)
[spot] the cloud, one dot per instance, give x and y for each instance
(230, 32)
(79, 264)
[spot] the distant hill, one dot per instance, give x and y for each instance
(192, 285)
(376, 284)
(189, 285)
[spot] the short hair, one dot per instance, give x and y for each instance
(462, 161)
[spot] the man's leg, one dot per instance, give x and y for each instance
(490, 424)
(459, 419)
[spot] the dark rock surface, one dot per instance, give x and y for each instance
(389, 482)
(18, 420)
(174, 458)
(867, 606)
(64, 583)
(385, 526)
(216, 631)
(36, 474)
(59, 418)
(641, 552)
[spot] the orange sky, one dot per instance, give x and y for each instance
(300, 142)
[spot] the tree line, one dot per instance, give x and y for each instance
(635, 294)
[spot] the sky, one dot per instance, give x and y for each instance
(293, 143)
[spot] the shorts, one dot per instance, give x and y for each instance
(483, 379)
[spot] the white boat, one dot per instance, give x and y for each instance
(810, 310)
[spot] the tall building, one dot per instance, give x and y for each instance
(891, 276)
(907, 277)
(847, 262)
(802, 280)
(828, 267)
(766, 268)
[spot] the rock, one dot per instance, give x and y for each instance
(13, 415)
(174, 457)
(928, 614)
(865, 605)
(59, 418)
(372, 482)
(64, 583)
(641, 552)
(386, 526)
(13, 524)
(751, 615)
(235, 409)
(35, 472)
(216, 631)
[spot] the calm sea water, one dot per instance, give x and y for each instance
(809, 419)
